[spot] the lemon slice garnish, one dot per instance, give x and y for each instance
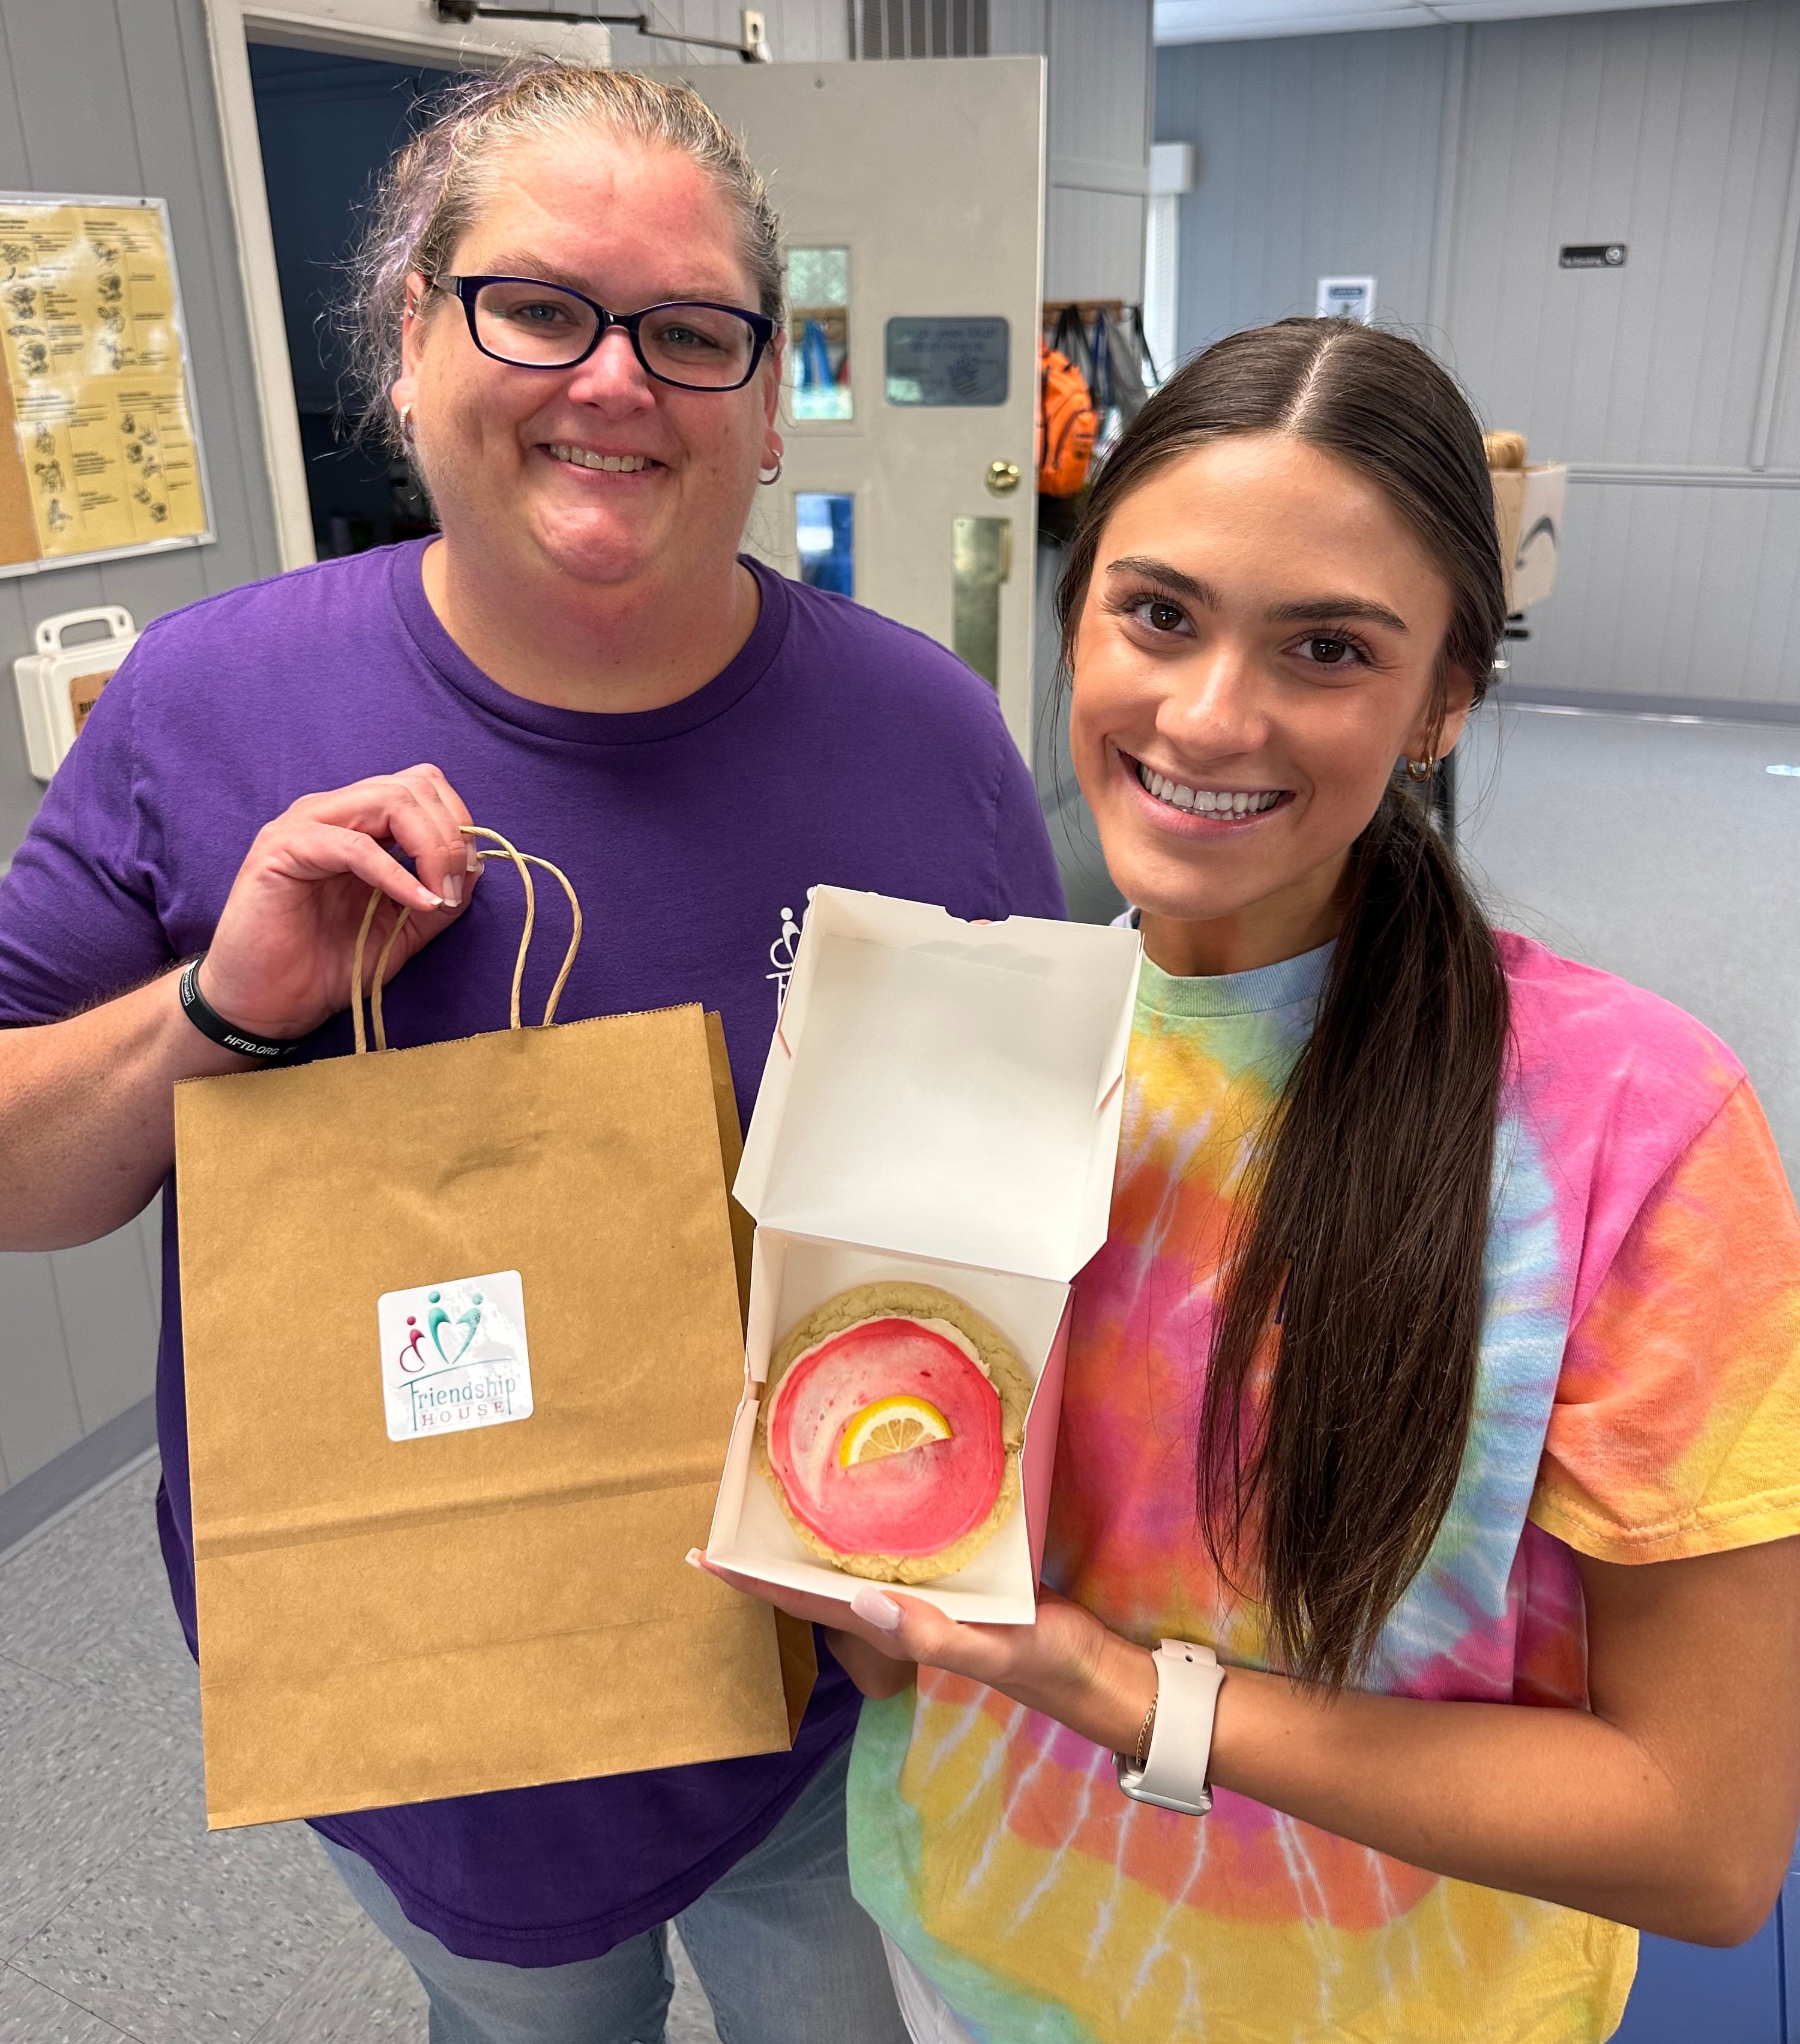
(889, 1427)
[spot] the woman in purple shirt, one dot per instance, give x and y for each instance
(591, 668)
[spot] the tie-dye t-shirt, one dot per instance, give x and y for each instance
(1638, 1400)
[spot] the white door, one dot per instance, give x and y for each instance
(910, 196)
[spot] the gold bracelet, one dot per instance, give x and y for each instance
(1141, 1753)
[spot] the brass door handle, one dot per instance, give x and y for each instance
(1003, 477)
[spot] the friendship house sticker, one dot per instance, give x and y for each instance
(454, 1356)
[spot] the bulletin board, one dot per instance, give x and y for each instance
(99, 445)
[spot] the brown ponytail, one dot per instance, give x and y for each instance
(1363, 1235)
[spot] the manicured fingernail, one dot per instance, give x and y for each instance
(695, 1560)
(472, 857)
(877, 1607)
(453, 889)
(431, 900)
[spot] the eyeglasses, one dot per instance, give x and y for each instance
(690, 344)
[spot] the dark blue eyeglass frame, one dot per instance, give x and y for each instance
(469, 289)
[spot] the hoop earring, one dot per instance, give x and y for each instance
(1421, 769)
(773, 476)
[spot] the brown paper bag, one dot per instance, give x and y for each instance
(488, 1600)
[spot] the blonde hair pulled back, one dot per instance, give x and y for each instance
(435, 187)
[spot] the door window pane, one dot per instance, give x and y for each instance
(819, 332)
(825, 531)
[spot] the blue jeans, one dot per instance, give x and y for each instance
(783, 1952)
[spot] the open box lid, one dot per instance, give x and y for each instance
(945, 1089)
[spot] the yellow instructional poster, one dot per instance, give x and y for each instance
(97, 383)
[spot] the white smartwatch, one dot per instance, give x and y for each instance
(1174, 1774)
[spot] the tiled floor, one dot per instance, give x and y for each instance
(121, 1916)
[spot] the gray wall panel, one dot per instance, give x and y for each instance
(1673, 131)
(1099, 137)
(1093, 245)
(149, 1226)
(81, 1340)
(39, 1416)
(1018, 27)
(184, 162)
(1658, 586)
(1453, 163)
(1100, 81)
(108, 1320)
(1780, 417)
(116, 96)
(1314, 156)
(800, 32)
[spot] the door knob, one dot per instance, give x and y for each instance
(1003, 477)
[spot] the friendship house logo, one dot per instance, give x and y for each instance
(413, 1356)
(454, 1356)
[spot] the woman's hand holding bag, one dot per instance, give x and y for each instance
(279, 964)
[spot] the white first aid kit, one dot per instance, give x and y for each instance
(59, 684)
(941, 1105)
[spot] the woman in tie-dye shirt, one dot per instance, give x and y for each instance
(1441, 1369)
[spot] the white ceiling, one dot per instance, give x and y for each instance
(1234, 21)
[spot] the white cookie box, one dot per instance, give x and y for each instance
(941, 1104)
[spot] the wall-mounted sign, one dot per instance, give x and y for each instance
(99, 454)
(1592, 255)
(947, 361)
(1346, 298)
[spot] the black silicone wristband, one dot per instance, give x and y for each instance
(211, 1024)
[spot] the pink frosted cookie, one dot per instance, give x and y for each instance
(890, 1430)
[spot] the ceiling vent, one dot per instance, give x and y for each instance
(919, 27)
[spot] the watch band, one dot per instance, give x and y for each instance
(1173, 1776)
(213, 1026)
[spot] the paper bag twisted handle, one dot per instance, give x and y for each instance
(524, 862)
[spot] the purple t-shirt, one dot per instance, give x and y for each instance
(837, 747)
